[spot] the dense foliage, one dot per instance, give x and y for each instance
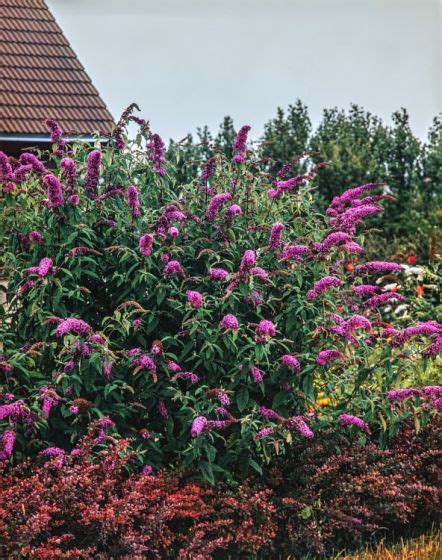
(214, 322)
(360, 148)
(83, 506)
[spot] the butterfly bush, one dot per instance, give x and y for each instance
(189, 313)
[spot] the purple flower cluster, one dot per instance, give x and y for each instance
(349, 195)
(233, 211)
(188, 375)
(256, 375)
(5, 168)
(275, 236)
(55, 132)
(295, 252)
(69, 172)
(326, 356)
(265, 330)
(382, 299)
(73, 325)
(172, 268)
(291, 362)
(198, 425)
(229, 322)
(132, 200)
(54, 190)
(93, 162)
(349, 420)
(240, 145)
(145, 244)
(247, 262)
(7, 444)
(264, 432)
(217, 273)
(322, 285)
(215, 204)
(379, 266)
(156, 150)
(195, 298)
(45, 267)
(208, 170)
(30, 159)
(299, 424)
(145, 362)
(36, 237)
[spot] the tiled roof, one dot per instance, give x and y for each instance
(41, 77)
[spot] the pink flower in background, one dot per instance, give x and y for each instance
(173, 366)
(295, 252)
(379, 266)
(73, 199)
(162, 410)
(55, 132)
(188, 375)
(382, 299)
(233, 210)
(258, 272)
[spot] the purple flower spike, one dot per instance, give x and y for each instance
(198, 425)
(349, 420)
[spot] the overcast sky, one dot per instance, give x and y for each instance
(190, 62)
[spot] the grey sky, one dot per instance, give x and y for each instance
(190, 62)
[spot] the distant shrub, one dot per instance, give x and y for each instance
(213, 322)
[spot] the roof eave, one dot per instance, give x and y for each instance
(45, 138)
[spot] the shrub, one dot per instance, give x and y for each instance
(83, 504)
(336, 494)
(205, 319)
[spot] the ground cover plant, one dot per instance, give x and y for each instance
(213, 323)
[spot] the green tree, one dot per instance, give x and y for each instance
(353, 143)
(287, 135)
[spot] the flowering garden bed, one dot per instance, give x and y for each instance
(208, 331)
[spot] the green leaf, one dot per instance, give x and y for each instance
(242, 398)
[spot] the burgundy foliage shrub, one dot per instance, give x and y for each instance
(84, 505)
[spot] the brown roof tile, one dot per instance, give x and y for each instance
(40, 76)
